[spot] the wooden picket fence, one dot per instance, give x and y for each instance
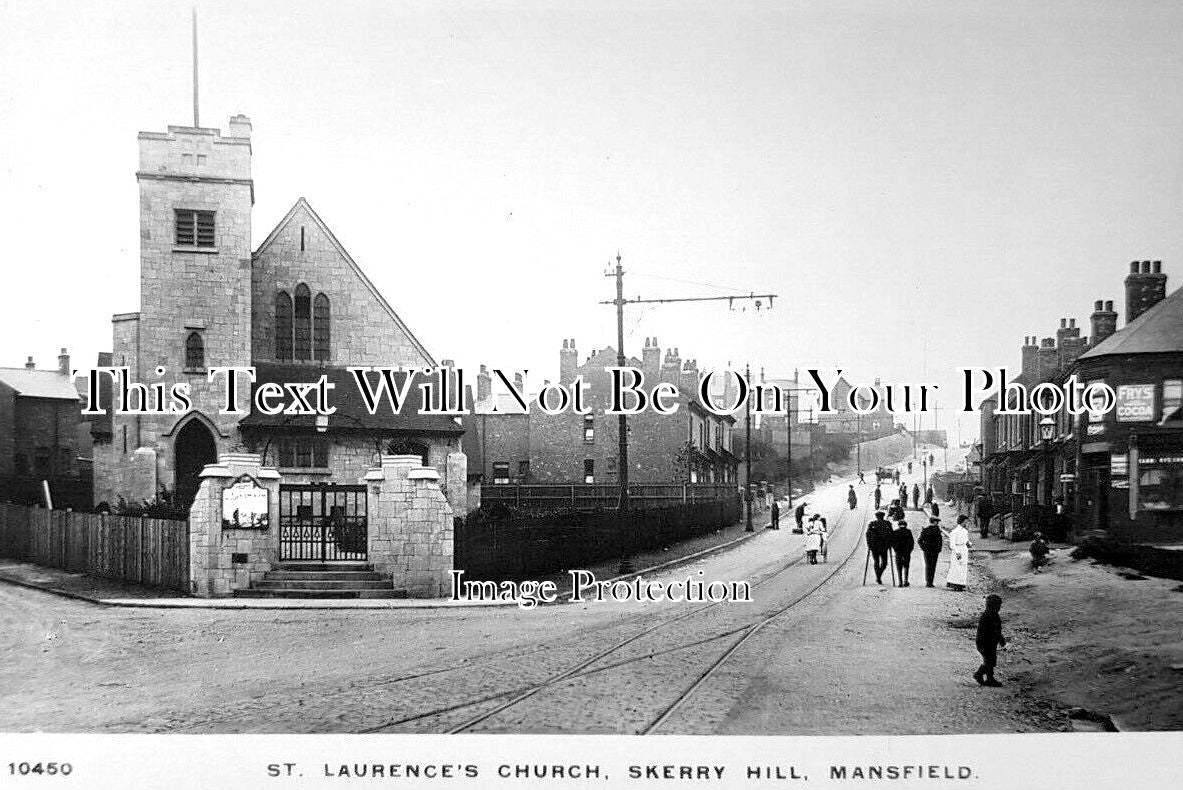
(148, 551)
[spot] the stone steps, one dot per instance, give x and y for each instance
(361, 576)
(322, 580)
(320, 594)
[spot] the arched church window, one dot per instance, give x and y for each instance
(283, 325)
(320, 328)
(303, 334)
(194, 352)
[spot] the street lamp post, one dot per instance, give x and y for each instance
(1047, 430)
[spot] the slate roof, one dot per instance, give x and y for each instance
(1157, 331)
(39, 383)
(351, 415)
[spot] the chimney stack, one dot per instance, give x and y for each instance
(671, 369)
(1103, 321)
(651, 359)
(484, 385)
(1067, 338)
(689, 381)
(1047, 359)
(568, 362)
(1029, 352)
(64, 363)
(1145, 286)
(30, 365)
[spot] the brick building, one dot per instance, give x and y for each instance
(294, 308)
(1120, 473)
(42, 437)
(690, 446)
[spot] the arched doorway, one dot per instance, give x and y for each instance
(194, 447)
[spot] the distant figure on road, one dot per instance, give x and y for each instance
(915, 497)
(861, 480)
(895, 511)
(904, 495)
(878, 495)
(775, 516)
(935, 509)
(902, 544)
(879, 534)
(985, 513)
(989, 637)
(895, 476)
(852, 498)
(959, 562)
(909, 467)
(799, 514)
(932, 540)
(929, 496)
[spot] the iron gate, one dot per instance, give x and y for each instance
(322, 523)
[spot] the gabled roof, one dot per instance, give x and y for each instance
(351, 414)
(39, 383)
(303, 204)
(1157, 331)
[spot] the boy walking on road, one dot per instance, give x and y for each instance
(988, 639)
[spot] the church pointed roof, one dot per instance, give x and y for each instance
(302, 204)
(1157, 331)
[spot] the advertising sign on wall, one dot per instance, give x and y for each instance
(1135, 403)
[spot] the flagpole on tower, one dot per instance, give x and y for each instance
(196, 118)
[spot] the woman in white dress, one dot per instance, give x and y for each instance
(815, 538)
(959, 560)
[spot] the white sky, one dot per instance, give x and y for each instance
(922, 183)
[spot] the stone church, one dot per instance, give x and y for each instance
(294, 307)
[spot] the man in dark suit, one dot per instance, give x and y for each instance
(932, 540)
(879, 541)
(902, 544)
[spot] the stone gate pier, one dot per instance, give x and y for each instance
(239, 532)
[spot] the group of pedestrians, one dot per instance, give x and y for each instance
(885, 541)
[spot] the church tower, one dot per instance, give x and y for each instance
(196, 196)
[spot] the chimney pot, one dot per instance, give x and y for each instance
(1108, 305)
(1133, 267)
(29, 365)
(1157, 267)
(1071, 323)
(1145, 267)
(1063, 323)
(1099, 306)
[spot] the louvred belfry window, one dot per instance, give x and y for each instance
(194, 228)
(283, 325)
(320, 328)
(303, 334)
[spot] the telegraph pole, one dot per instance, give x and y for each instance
(789, 449)
(622, 448)
(626, 565)
(747, 452)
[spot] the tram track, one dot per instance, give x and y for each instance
(511, 698)
(588, 667)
